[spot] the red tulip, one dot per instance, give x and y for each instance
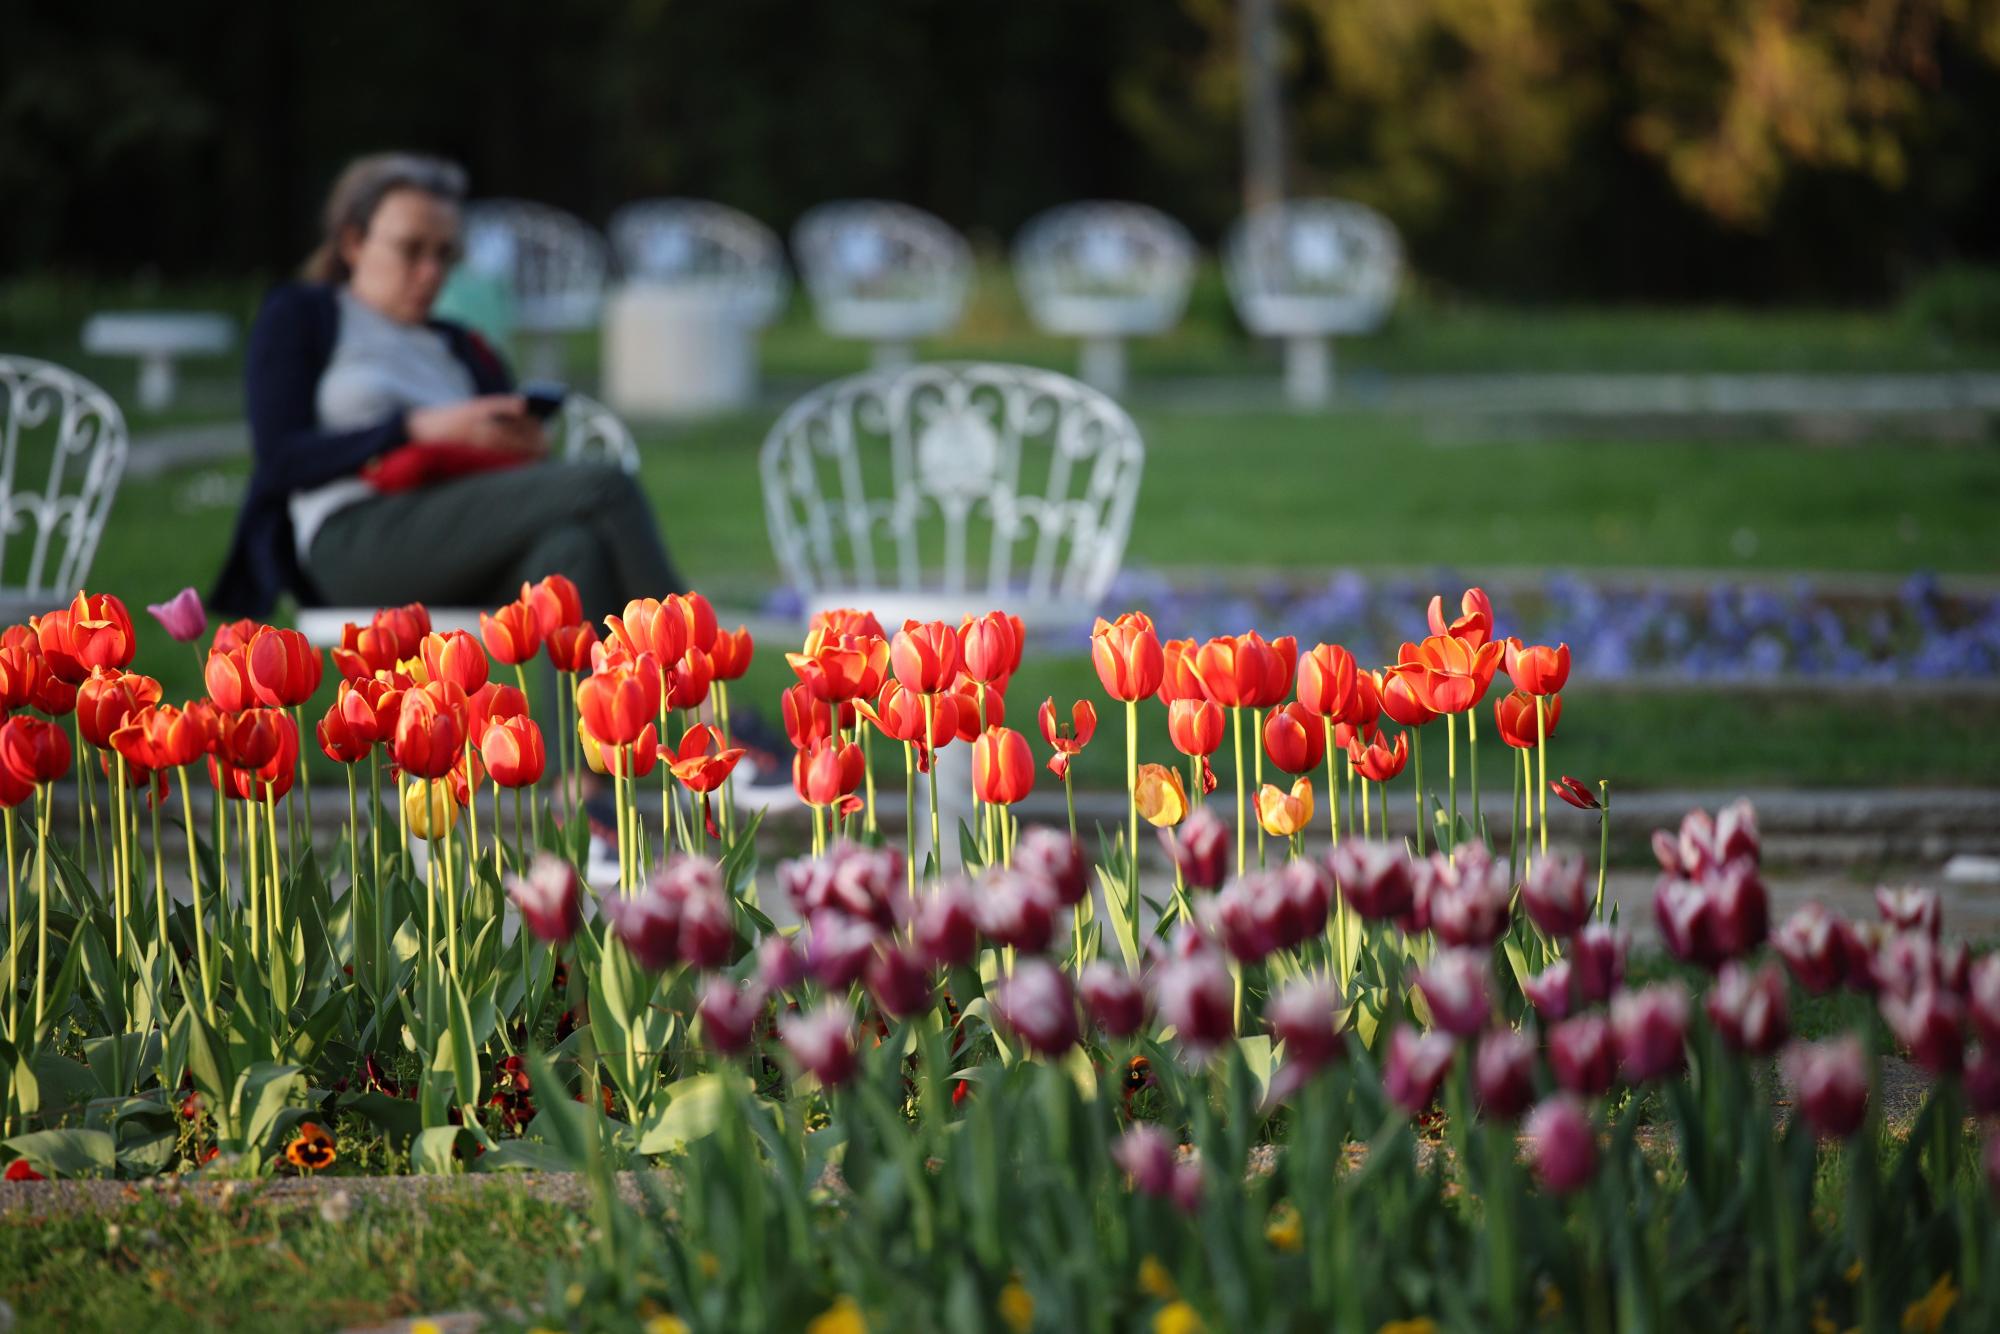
(1294, 739)
(338, 739)
(1178, 679)
(548, 898)
(369, 706)
(1037, 1003)
(107, 699)
(513, 751)
(1537, 668)
(650, 626)
(1650, 1027)
(33, 751)
(924, 656)
(700, 762)
(227, 674)
(634, 759)
(1447, 674)
(556, 603)
(570, 646)
(900, 715)
(978, 708)
(731, 655)
(1003, 768)
(1195, 726)
(1829, 1084)
(513, 634)
(1475, 623)
(1575, 793)
(264, 733)
(1379, 763)
(1415, 1066)
(377, 647)
(1127, 655)
(100, 632)
(457, 657)
(619, 701)
(1749, 1009)
(1401, 699)
(285, 669)
(1514, 713)
(990, 647)
(22, 670)
(1235, 669)
(697, 616)
(429, 739)
(162, 737)
(687, 681)
(1326, 681)
(1563, 1143)
(1503, 1073)
(1072, 738)
(838, 668)
(827, 772)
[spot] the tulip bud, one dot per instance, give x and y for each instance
(1503, 1072)
(1058, 860)
(729, 1013)
(822, 1042)
(1909, 909)
(547, 898)
(1295, 739)
(1192, 993)
(1562, 1143)
(1581, 1055)
(1556, 896)
(1003, 768)
(1549, 991)
(1749, 1009)
(1415, 1067)
(1830, 1084)
(947, 927)
(1147, 1156)
(1114, 998)
(1651, 1030)
(1454, 986)
(1301, 1016)
(1930, 1024)
(1537, 668)
(1810, 942)
(1036, 1002)
(1199, 848)
(181, 616)
(899, 981)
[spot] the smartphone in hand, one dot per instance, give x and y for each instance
(543, 397)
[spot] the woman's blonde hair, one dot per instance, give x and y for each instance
(360, 191)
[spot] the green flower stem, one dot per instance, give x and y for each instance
(1132, 801)
(1417, 747)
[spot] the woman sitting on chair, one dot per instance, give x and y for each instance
(393, 462)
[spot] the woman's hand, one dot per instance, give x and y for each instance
(492, 421)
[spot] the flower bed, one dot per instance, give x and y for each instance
(1027, 1088)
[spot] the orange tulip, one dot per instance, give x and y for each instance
(1178, 679)
(233, 634)
(827, 772)
(838, 669)
(924, 656)
(1514, 713)
(697, 618)
(570, 646)
(687, 681)
(556, 604)
(978, 708)
(1127, 655)
(1294, 739)
(1282, 813)
(731, 655)
(643, 753)
(991, 647)
(1279, 661)
(1537, 668)
(808, 718)
(227, 674)
(370, 705)
(844, 621)
(617, 702)
(1377, 762)
(108, 698)
(1161, 798)
(1195, 726)
(1003, 768)
(514, 751)
(54, 696)
(1072, 739)
(93, 631)
(162, 737)
(701, 762)
(259, 732)
(365, 650)
(512, 634)
(284, 667)
(1400, 699)
(21, 672)
(1326, 681)
(338, 739)
(457, 657)
(1446, 675)
(490, 703)
(429, 736)
(650, 626)
(1474, 626)
(899, 714)
(1360, 718)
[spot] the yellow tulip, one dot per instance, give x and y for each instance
(1285, 813)
(843, 1317)
(1161, 798)
(1017, 1307)
(429, 818)
(1177, 1318)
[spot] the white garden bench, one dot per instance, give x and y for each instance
(887, 273)
(552, 265)
(158, 338)
(582, 430)
(62, 453)
(698, 281)
(1307, 270)
(1104, 272)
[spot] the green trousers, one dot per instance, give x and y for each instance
(473, 541)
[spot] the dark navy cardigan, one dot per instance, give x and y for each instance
(289, 348)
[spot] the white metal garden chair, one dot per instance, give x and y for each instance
(551, 263)
(701, 247)
(1104, 272)
(583, 430)
(1307, 270)
(62, 452)
(884, 272)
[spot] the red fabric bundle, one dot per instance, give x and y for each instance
(407, 467)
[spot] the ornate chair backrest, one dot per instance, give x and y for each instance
(1104, 269)
(950, 489)
(881, 270)
(552, 262)
(62, 453)
(706, 248)
(1313, 266)
(584, 430)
